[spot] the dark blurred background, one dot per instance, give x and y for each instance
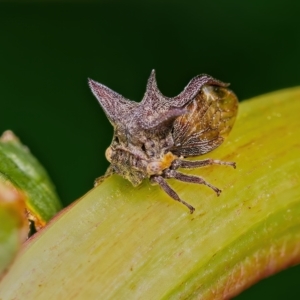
(49, 48)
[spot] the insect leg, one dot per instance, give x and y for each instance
(99, 180)
(164, 185)
(189, 178)
(191, 164)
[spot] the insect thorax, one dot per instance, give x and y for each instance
(138, 154)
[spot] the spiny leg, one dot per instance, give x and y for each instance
(189, 178)
(191, 164)
(164, 185)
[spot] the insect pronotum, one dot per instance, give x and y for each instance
(152, 138)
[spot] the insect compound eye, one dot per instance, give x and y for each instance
(108, 154)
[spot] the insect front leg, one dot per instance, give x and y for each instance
(164, 185)
(99, 180)
(191, 164)
(189, 178)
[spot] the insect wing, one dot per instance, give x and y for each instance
(209, 119)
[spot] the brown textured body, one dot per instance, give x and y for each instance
(152, 137)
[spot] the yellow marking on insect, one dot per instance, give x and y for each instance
(156, 167)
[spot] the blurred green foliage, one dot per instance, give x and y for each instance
(49, 49)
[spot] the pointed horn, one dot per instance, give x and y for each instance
(113, 104)
(155, 109)
(193, 88)
(152, 93)
(152, 84)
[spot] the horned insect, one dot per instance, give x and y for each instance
(152, 138)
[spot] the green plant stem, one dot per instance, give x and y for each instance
(120, 242)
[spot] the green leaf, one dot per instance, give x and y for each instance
(21, 168)
(120, 242)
